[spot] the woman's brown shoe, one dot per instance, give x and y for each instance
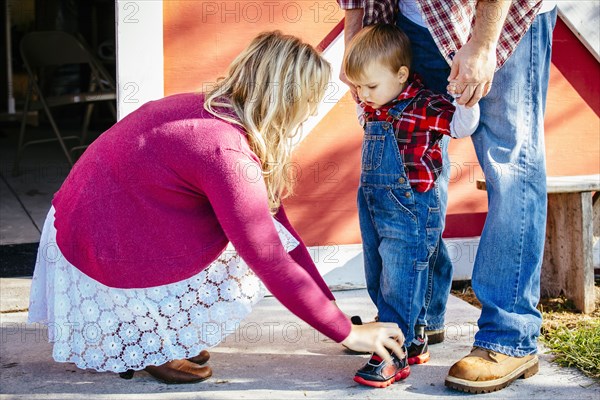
(179, 371)
(201, 358)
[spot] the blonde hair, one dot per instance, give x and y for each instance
(271, 88)
(384, 43)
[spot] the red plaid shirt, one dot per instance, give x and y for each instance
(418, 132)
(450, 21)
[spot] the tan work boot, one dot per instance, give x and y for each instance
(485, 371)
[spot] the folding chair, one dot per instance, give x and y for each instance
(41, 50)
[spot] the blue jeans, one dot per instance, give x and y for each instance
(400, 229)
(510, 148)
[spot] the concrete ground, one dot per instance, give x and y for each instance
(273, 355)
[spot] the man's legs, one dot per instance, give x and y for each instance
(510, 148)
(506, 277)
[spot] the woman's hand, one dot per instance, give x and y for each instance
(376, 337)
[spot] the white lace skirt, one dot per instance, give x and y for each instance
(111, 329)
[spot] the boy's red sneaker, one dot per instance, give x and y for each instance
(377, 373)
(418, 351)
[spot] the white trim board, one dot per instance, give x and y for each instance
(342, 265)
(583, 18)
(140, 60)
(336, 89)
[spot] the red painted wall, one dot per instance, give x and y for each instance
(202, 37)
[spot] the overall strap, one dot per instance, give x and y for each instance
(396, 111)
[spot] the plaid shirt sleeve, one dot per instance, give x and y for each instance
(351, 4)
(375, 11)
(450, 21)
(419, 131)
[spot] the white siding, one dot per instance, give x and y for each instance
(583, 18)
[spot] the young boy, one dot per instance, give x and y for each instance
(398, 202)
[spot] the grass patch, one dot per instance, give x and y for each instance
(577, 346)
(572, 337)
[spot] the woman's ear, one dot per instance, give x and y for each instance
(403, 73)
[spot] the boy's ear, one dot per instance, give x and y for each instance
(403, 73)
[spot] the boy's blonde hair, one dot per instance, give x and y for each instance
(271, 88)
(384, 43)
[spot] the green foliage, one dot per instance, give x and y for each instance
(575, 345)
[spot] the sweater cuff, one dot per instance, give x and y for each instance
(340, 331)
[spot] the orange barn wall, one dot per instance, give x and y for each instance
(202, 37)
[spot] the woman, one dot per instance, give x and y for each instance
(133, 271)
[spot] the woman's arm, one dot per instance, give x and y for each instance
(301, 255)
(240, 203)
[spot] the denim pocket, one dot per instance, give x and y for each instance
(372, 152)
(403, 199)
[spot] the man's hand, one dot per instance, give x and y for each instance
(472, 73)
(474, 63)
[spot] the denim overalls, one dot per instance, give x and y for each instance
(400, 227)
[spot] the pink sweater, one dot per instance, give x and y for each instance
(157, 197)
